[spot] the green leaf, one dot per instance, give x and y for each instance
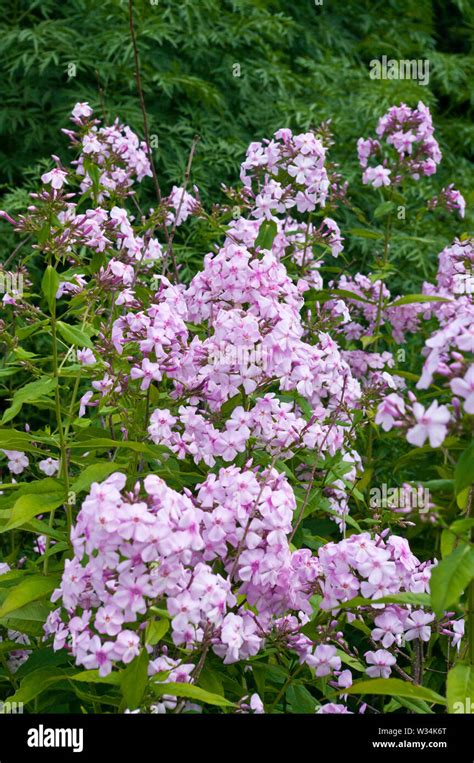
(417, 599)
(28, 506)
(363, 233)
(35, 611)
(134, 680)
(12, 439)
(383, 209)
(464, 471)
(451, 577)
(348, 294)
(351, 661)
(155, 631)
(191, 692)
(394, 687)
(37, 682)
(74, 335)
(93, 473)
(49, 287)
(460, 689)
(300, 699)
(266, 234)
(28, 394)
(458, 531)
(410, 298)
(106, 442)
(93, 677)
(31, 589)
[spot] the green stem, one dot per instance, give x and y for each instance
(378, 317)
(470, 590)
(285, 686)
(63, 470)
(470, 622)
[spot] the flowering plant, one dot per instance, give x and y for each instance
(190, 457)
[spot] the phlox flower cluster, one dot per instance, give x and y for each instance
(450, 199)
(448, 354)
(364, 309)
(409, 134)
(287, 171)
(115, 150)
(221, 563)
(272, 424)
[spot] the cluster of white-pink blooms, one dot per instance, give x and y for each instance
(220, 562)
(271, 423)
(220, 559)
(181, 204)
(284, 172)
(371, 307)
(115, 151)
(448, 354)
(371, 567)
(450, 199)
(416, 152)
(294, 239)
(449, 349)
(132, 551)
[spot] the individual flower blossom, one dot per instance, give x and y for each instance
(333, 708)
(344, 679)
(126, 646)
(109, 620)
(324, 660)
(86, 357)
(389, 628)
(430, 424)
(99, 656)
(417, 626)
(377, 176)
(56, 177)
(84, 402)
(255, 705)
(49, 466)
(148, 373)
(465, 388)
(458, 628)
(390, 410)
(380, 663)
(17, 461)
(81, 110)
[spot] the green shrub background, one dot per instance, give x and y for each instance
(300, 64)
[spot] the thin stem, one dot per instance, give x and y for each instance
(418, 662)
(63, 470)
(285, 686)
(138, 80)
(470, 590)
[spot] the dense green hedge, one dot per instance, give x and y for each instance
(300, 63)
